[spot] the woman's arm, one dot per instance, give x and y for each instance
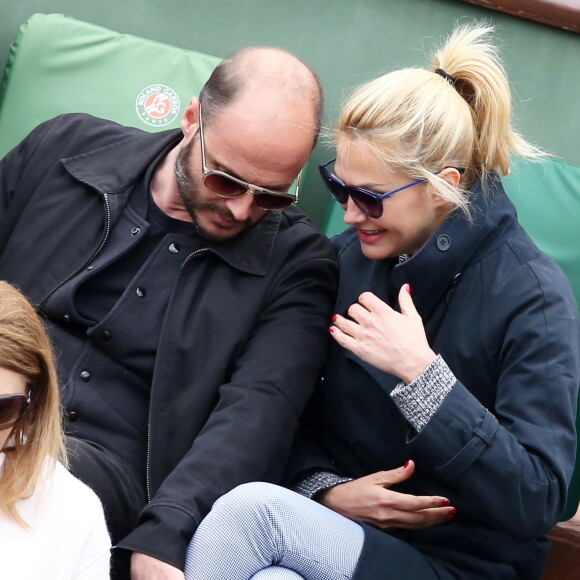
(511, 466)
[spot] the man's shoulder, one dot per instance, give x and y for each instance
(296, 229)
(82, 127)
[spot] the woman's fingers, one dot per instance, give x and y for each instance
(370, 500)
(415, 520)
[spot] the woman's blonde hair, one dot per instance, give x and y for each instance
(419, 121)
(36, 439)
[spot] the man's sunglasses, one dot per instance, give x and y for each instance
(368, 201)
(12, 407)
(225, 185)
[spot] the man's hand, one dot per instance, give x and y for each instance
(144, 567)
(390, 341)
(369, 500)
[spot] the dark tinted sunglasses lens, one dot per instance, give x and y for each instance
(224, 186)
(368, 204)
(337, 190)
(10, 410)
(267, 201)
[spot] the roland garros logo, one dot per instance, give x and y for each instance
(157, 105)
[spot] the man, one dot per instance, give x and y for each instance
(189, 314)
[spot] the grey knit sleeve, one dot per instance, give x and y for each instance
(318, 481)
(418, 401)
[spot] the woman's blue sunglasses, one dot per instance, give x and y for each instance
(368, 201)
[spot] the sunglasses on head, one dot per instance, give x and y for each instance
(225, 185)
(368, 201)
(12, 407)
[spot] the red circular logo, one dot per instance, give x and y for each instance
(157, 105)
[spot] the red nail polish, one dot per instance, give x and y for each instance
(406, 464)
(331, 328)
(445, 502)
(334, 318)
(408, 288)
(451, 514)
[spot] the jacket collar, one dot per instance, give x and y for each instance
(114, 170)
(435, 269)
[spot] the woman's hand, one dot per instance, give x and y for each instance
(368, 499)
(390, 341)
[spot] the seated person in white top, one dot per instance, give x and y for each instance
(51, 525)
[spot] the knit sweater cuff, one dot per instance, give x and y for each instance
(317, 482)
(418, 401)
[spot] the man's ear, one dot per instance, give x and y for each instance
(190, 117)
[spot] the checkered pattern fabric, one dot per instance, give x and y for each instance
(419, 400)
(318, 481)
(258, 530)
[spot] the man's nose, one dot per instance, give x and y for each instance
(241, 207)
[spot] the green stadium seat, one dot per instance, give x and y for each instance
(61, 65)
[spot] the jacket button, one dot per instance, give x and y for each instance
(66, 318)
(85, 376)
(135, 231)
(443, 242)
(141, 292)
(173, 249)
(73, 416)
(106, 335)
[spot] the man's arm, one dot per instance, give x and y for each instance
(144, 567)
(12, 167)
(250, 431)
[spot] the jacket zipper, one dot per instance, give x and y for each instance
(148, 463)
(87, 262)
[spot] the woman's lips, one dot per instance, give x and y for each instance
(369, 236)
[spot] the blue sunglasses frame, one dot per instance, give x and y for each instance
(368, 201)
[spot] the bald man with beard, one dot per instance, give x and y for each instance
(187, 297)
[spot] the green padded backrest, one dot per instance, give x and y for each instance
(61, 65)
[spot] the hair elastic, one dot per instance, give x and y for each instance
(448, 77)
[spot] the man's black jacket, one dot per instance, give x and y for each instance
(243, 337)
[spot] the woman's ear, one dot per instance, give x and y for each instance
(190, 117)
(451, 175)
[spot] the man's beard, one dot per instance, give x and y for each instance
(188, 188)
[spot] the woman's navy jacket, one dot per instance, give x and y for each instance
(502, 445)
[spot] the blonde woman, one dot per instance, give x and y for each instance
(51, 525)
(441, 442)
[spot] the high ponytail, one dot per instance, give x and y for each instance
(480, 79)
(457, 113)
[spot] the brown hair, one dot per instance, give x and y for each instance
(36, 441)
